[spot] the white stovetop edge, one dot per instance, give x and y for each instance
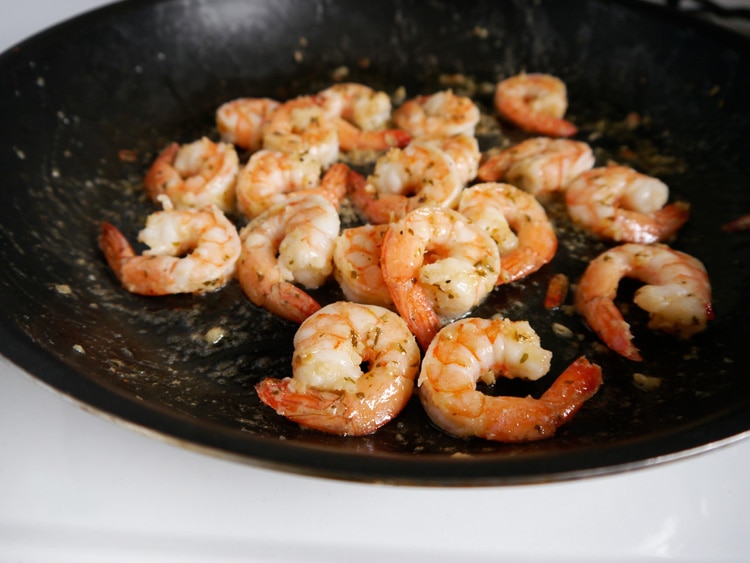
(77, 487)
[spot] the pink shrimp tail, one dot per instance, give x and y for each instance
(606, 320)
(161, 172)
(413, 305)
(115, 247)
(577, 384)
(671, 218)
(335, 183)
(540, 123)
(352, 137)
(290, 302)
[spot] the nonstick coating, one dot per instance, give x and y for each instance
(86, 106)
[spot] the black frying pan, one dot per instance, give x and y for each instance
(139, 74)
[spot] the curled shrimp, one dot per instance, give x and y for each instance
(356, 261)
(405, 179)
(442, 113)
(271, 177)
(472, 350)
(677, 294)
(463, 149)
(516, 221)
(539, 164)
(536, 103)
(437, 267)
(287, 244)
(195, 174)
(190, 251)
(360, 115)
(329, 389)
(301, 126)
(241, 121)
(618, 203)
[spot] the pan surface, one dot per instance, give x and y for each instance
(88, 104)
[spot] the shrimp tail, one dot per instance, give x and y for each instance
(161, 173)
(325, 411)
(290, 302)
(115, 247)
(352, 138)
(335, 182)
(606, 321)
(414, 306)
(671, 218)
(577, 384)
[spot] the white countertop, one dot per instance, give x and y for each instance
(77, 487)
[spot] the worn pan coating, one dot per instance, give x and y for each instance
(136, 75)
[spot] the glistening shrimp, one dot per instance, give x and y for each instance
(539, 164)
(472, 350)
(516, 221)
(241, 121)
(356, 261)
(360, 115)
(329, 390)
(272, 177)
(618, 203)
(442, 113)
(300, 126)
(190, 251)
(196, 174)
(535, 102)
(437, 267)
(677, 294)
(292, 242)
(406, 179)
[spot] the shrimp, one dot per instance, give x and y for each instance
(360, 115)
(493, 205)
(405, 179)
(272, 177)
(356, 261)
(618, 203)
(442, 113)
(196, 174)
(241, 121)
(292, 242)
(536, 103)
(329, 390)
(190, 251)
(463, 149)
(677, 294)
(472, 350)
(437, 267)
(539, 165)
(301, 126)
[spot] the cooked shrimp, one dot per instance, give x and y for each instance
(329, 390)
(437, 267)
(272, 177)
(442, 113)
(301, 126)
(472, 350)
(241, 121)
(405, 179)
(356, 261)
(677, 294)
(463, 149)
(741, 223)
(292, 242)
(539, 164)
(536, 103)
(361, 115)
(618, 203)
(196, 174)
(493, 207)
(190, 251)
